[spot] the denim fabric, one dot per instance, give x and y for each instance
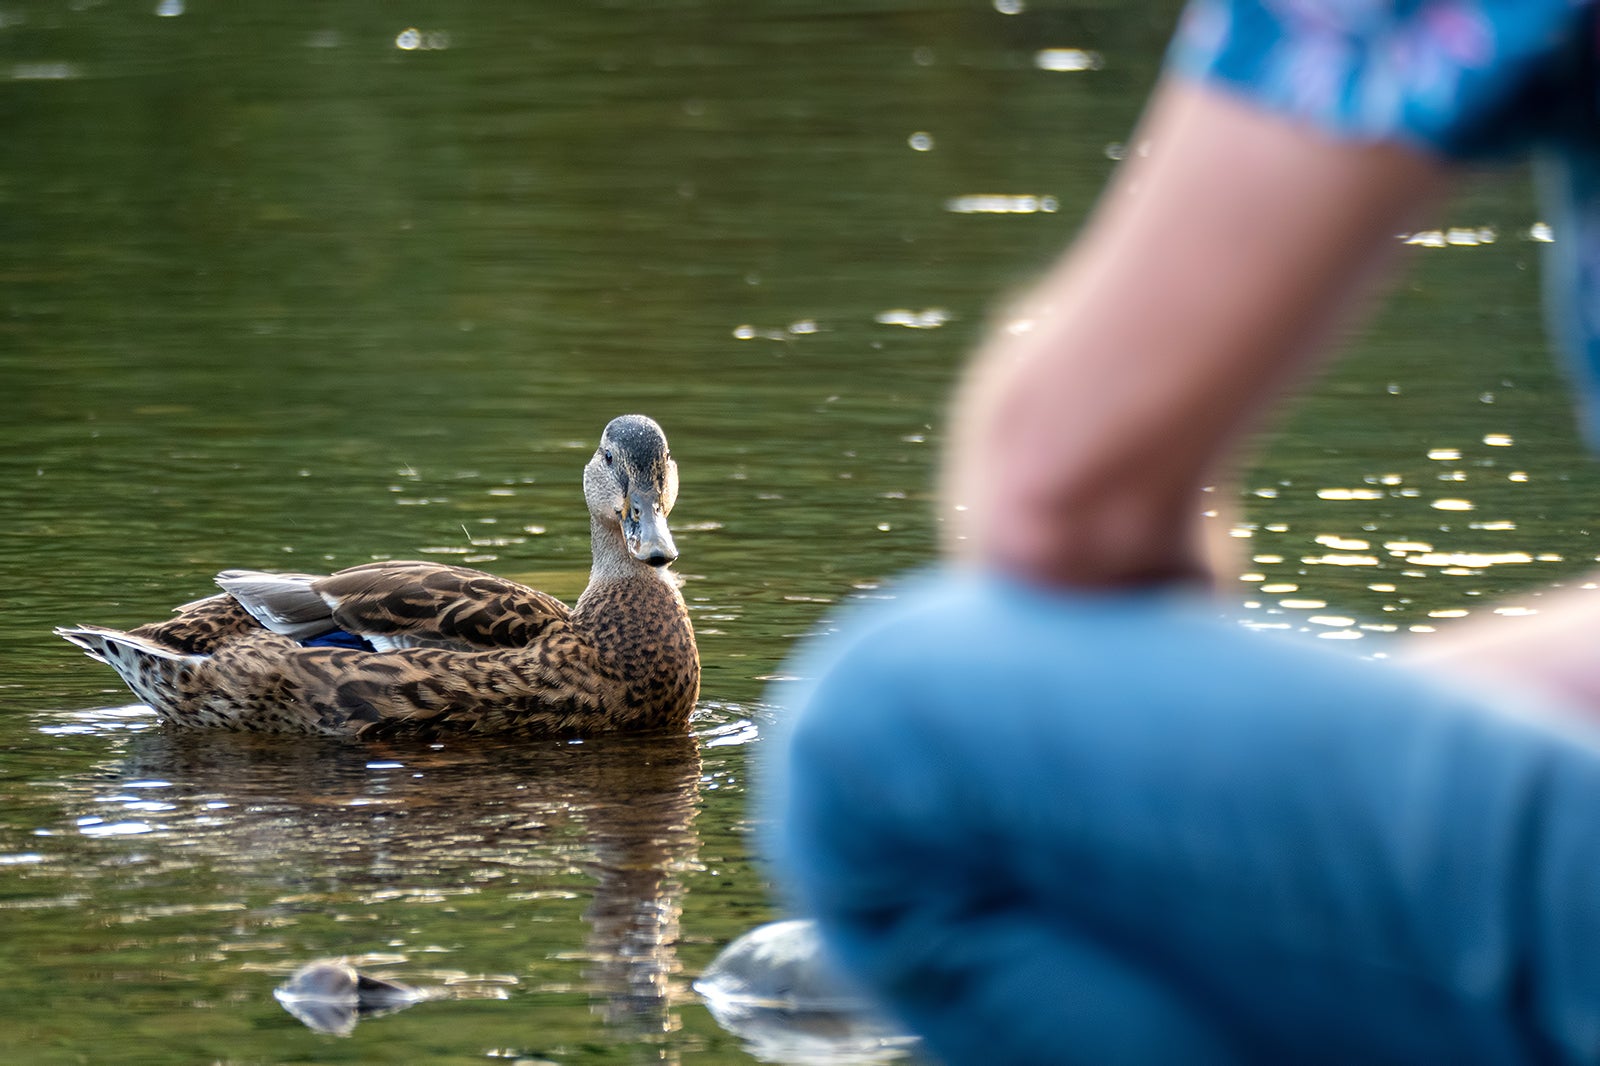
(1124, 829)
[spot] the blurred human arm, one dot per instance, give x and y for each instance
(1549, 656)
(1108, 397)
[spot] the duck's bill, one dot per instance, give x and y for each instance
(644, 528)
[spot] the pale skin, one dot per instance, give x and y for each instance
(1201, 288)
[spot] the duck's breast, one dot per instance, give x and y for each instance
(641, 629)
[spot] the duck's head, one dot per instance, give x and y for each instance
(631, 483)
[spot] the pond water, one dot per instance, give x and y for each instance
(298, 288)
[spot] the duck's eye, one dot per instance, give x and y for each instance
(606, 455)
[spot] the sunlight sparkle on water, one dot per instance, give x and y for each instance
(1340, 559)
(1451, 504)
(1067, 59)
(95, 827)
(931, 318)
(1454, 237)
(412, 39)
(1470, 560)
(1349, 494)
(50, 71)
(1001, 204)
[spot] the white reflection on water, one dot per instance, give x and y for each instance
(1340, 559)
(412, 39)
(1067, 59)
(931, 318)
(1472, 560)
(133, 718)
(1454, 237)
(44, 71)
(1001, 204)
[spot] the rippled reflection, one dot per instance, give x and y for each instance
(384, 847)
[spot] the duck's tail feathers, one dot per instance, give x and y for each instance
(102, 644)
(150, 669)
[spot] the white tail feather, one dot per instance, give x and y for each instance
(284, 603)
(97, 642)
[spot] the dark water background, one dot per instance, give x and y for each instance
(299, 286)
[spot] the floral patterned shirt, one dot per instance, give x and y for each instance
(1465, 79)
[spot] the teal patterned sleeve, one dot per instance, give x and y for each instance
(1462, 78)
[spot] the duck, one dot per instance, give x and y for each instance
(422, 647)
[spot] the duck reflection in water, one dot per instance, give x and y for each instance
(331, 995)
(506, 836)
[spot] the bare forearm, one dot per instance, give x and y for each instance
(1549, 655)
(1109, 396)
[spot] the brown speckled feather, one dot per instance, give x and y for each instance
(457, 650)
(429, 602)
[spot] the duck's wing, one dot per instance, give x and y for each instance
(399, 605)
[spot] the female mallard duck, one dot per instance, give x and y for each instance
(406, 645)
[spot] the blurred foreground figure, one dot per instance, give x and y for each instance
(1049, 806)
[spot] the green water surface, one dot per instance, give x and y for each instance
(301, 286)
